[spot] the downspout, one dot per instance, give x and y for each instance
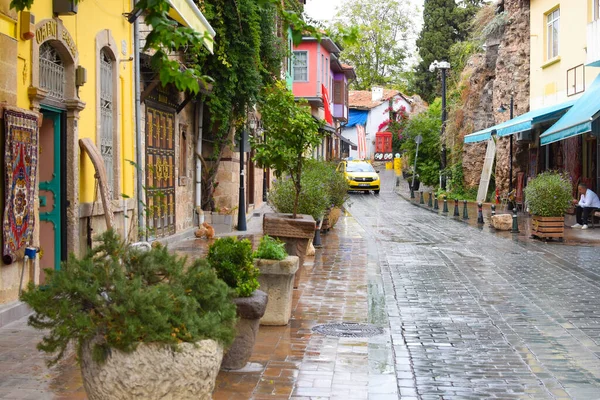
(199, 124)
(138, 128)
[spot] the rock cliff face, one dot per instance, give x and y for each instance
(487, 83)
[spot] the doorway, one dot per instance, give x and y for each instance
(52, 190)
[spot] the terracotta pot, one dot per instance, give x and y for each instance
(277, 279)
(153, 371)
(548, 227)
(249, 311)
(294, 232)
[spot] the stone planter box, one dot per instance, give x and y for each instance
(249, 310)
(548, 227)
(153, 371)
(294, 232)
(277, 280)
(222, 223)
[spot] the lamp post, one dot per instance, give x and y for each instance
(443, 66)
(510, 150)
(241, 225)
(265, 173)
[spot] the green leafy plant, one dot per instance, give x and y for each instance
(291, 132)
(232, 260)
(549, 194)
(120, 297)
(270, 249)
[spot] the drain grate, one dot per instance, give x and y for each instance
(348, 329)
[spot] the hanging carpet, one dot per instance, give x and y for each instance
(20, 160)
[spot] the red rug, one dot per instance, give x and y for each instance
(20, 160)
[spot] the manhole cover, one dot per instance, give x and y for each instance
(348, 329)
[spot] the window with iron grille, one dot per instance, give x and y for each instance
(301, 66)
(107, 145)
(52, 72)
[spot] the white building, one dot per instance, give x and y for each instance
(368, 111)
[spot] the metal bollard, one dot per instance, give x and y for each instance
(445, 209)
(515, 226)
(480, 213)
(412, 192)
(421, 200)
(456, 212)
(493, 213)
(429, 200)
(465, 211)
(435, 203)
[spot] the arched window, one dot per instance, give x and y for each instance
(107, 111)
(52, 72)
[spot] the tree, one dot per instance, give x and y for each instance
(378, 50)
(444, 24)
(437, 36)
(427, 124)
(291, 131)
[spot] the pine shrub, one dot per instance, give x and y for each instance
(232, 261)
(119, 297)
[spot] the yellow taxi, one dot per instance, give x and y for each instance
(361, 176)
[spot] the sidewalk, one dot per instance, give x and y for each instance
(589, 237)
(341, 283)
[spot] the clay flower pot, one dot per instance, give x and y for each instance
(153, 371)
(277, 279)
(249, 310)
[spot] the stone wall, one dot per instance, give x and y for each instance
(487, 82)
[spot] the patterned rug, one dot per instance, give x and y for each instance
(21, 160)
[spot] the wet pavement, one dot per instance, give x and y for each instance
(465, 313)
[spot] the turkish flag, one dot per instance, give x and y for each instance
(328, 115)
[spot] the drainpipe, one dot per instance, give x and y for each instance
(199, 124)
(138, 129)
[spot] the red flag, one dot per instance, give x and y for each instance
(328, 115)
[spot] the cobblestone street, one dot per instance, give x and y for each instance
(466, 314)
(474, 315)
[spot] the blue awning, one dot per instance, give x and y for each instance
(521, 123)
(357, 117)
(578, 119)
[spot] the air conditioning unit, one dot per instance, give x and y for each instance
(525, 136)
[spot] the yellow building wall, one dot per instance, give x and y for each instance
(548, 78)
(91, 18)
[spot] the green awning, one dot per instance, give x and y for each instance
(578, 119)
(521, 123)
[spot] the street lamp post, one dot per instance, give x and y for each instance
(443, 66)
(510, 144)
(265, 173)
(241, 225)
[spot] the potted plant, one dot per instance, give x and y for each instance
(337, 189)
(290, 132)
(548, 198)
(232, 261)
(144, 325)
(277, 271)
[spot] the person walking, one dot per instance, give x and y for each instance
(587, 203)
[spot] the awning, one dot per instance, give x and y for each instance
(187, 13)
(345, 140)
(521, 123)
(357, 117)
(578, 119)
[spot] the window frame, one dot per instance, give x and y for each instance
(550, 22)
(574, 72)
(294, 66)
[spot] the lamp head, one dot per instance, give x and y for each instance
(433, 66)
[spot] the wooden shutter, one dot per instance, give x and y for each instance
(338, 92)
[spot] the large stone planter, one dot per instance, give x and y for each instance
(249, 311)
(153, 371)
(277, 279)
(222, 223)
(294, 232)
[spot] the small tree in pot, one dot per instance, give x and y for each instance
(232, 261)
(548, 197)
(123, 308)
(290, 132)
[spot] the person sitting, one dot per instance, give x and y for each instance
(586, 204)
